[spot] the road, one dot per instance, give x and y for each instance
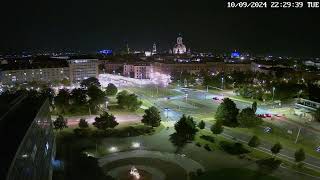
(174, 115)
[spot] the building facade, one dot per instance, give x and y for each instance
(81, 69)
(29, 75)
(138, 70)
(30, 144)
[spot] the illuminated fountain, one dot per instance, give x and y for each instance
(134, 172)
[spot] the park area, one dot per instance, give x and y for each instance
(131, 148)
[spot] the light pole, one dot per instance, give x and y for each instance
(167, 110)
(273, 89)
(297, 136)
(222, 82)
(107, 102)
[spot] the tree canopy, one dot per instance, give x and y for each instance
(201, 124)
(83, 123)
(105, 121)
(217, 127)
(254, 106)
(111, 90)
(185, 126)
(276, 148)
(129, 101)
(61, 101)
(300, 155)
(78, 96)
(247, 118)
(151, 117)
(96, 96)
(60, 123)
(254, 141)
(91, 81)
(227, 113)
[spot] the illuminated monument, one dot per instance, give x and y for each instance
(179, 48)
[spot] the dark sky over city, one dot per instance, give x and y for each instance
(205, 25)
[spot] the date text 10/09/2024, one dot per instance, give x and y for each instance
(263, 4)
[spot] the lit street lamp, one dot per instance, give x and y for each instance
(273, 89)
(222, 82)
(167, 111)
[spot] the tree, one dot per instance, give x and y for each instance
(179, 141)
(299, 155)
(49, 93)
(129, 101)
(91, 81)
(185, 127)
(60, 123)
(83, 124)
(227, 113)
(78, 96)
(254, 106)
(276, 148)
(62, 99)
(121, 98)
(201, 125)
(217, 128)
(254, 141)
(65, 82)
(104, 121)
(111, 90)
(316, 115)
(151, 117)
(247, 118)
(96, 96)
(267, 166)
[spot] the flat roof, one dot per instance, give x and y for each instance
(35, 65)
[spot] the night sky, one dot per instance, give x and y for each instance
(206, 25)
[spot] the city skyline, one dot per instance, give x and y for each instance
(205, 26)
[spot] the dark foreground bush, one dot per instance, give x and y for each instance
(207, 138)
(233, 148)
(267, 166)
(207, 147)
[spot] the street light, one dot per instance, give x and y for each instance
(222, 81)
(273, 89)
(167, 110)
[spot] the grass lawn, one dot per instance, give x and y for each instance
(255, 154)
(234, 173)
(280, 135)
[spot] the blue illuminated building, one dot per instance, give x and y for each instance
(235, 54)
(106, 52)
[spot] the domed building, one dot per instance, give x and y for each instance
(179, 48)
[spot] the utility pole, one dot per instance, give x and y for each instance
(297, 136)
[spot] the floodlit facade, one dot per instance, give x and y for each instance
(138, 71)
(81, 69)
(179, 48)
(17, 74)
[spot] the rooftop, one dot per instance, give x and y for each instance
(17, 113)
(35, 65)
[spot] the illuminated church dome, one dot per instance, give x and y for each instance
(179, 48)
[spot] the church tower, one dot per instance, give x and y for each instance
(154, 48)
